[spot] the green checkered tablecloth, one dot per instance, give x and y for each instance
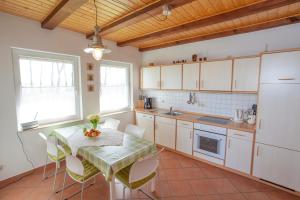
(110, 159)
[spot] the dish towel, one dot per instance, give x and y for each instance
(108, 137)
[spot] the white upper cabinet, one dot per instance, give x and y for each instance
(216, 75)
(281, 67)
(246, 74)
(171, 77)
(191, 76)
(150, 77)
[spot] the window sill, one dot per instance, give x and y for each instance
(52, 125)
(115, 113)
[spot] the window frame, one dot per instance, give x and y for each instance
(18, 53)
(119, 64)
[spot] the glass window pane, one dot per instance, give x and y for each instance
(47, 89)
(114, 91)
(49, 103)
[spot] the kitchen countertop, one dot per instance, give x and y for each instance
(193, 117)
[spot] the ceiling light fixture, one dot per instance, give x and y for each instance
(167, 10)
(96, 48)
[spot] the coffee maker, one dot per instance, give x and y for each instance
(147, 103)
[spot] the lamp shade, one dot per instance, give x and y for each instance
(97, 53)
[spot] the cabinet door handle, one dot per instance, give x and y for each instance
(229, 143)
(286, 79)
(257, 150)
(259, 124)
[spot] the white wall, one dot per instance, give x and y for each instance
(239, 45)
(23, 33)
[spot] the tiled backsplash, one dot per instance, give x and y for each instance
(208, 103)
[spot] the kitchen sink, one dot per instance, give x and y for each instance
(173, 113)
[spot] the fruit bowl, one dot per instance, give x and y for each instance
(92, 133)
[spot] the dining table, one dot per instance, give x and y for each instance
(109, 158)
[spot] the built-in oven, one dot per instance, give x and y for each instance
(210, 140)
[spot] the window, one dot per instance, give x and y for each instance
(115, 87)
(47, 86)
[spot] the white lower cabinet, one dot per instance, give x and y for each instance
(147, 122)
(239, 151)
(184, 142)
(165, 131)
(277, 165)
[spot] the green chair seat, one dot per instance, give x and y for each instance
(67, 149)
(89, 171)
(61, 156)
(123, 176)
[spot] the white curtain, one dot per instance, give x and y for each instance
(47, 89)
(115, 88)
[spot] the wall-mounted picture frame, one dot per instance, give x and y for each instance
(91, 88)
(89, 66)
(90, 77)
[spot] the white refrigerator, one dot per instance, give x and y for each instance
(277, 144)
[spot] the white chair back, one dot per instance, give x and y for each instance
(111, 123)
(74, 165)
(143, 168)
(135, 130)
(51, 147)
(43, 136)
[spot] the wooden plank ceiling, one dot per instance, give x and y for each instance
(140, 23)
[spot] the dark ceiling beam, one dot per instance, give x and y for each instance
(244, 11)
(247, 29)
(138, 15)
(63, 10)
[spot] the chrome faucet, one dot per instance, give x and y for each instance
(171, 109)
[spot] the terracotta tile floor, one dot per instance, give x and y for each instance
(179, 178)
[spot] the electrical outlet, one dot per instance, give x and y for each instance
(1, 167)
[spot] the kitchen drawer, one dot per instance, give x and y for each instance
(185, 124)
(165, 120)
(146, 116)
(240, 134)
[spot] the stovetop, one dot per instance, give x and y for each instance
(215, 120)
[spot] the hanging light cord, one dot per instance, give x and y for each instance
(96, 12)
